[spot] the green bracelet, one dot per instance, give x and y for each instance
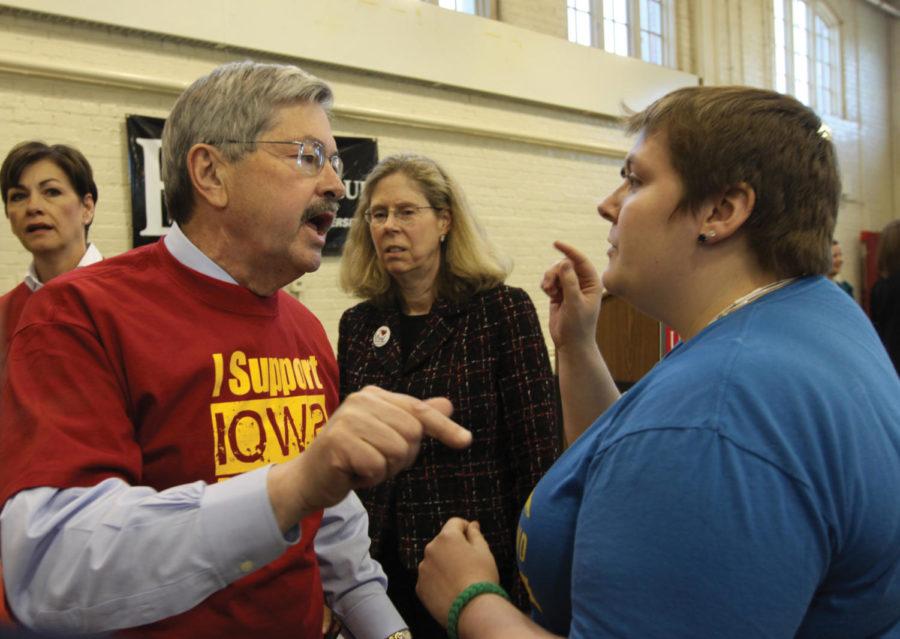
(467, 595)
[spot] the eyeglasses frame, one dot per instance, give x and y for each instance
(301, 144)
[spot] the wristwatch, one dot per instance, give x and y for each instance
(400, 634)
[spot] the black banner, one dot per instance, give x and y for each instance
(150, 219)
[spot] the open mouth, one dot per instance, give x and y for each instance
(32, 228)
(321, 221)
(394, 249)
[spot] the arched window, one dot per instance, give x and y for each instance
(807, 53)
(637, 28)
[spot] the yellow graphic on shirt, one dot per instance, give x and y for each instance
(521, 552)
(265, 375)
(250, 433)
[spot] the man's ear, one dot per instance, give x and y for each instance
(725, 213)
(205, 166)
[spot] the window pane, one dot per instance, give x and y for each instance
(780, 46)
(621, 39)
(801, 77)
(645, 15)
(579, 21)
(651, 47)
(823, 89)
(584, 28)
(656, 17)
(799, 14)
(800, 42)
(463, 6)
(609, 36)
(615, 27)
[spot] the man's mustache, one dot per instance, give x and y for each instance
(318, 208)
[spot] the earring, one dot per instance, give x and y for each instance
(706, 236)
(443, 237)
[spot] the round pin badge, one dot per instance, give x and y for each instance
(381, 336)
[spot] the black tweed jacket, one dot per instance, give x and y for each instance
(489, 357)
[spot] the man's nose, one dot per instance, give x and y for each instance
(331, 184)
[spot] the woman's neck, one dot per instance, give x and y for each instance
(417, 297)
(714, 289)
(50, 265)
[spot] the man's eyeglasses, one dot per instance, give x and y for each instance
(404, 214)
(311, 155)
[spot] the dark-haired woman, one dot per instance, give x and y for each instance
(49, 195)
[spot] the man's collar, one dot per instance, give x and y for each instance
(183, 250)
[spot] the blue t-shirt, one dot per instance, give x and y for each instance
(748, 486)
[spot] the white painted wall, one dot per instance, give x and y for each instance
(520, 116)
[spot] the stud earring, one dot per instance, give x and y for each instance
(706, 236)
(443, 237)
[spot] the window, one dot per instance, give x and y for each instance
(807, 53)
(635, 28)
(472, 7)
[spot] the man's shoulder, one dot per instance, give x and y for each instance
(295, 307)
(112, 284)
(132, 264)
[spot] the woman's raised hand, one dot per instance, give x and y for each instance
(574, 288)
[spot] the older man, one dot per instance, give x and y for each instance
(157, 405)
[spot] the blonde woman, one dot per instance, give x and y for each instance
(438, 320)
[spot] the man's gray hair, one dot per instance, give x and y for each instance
(236, 101)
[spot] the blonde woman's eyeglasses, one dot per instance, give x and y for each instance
(405, 214)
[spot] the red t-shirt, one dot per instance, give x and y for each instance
(142, 369)
(11, 306)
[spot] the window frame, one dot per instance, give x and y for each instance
(786, 82)
(667, 28)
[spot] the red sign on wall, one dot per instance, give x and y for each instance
(669, 339)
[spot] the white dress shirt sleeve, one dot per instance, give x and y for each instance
(115, 556)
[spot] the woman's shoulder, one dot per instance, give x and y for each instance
(361, 315)
(503, 295)
(360, 310)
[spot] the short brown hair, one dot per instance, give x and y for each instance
(469, 262)
(721, 136)
(69, 160)
(889, 249)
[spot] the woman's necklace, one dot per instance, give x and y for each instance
(752, 296)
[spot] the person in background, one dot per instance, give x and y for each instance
(165, 465)
(885, 301)
(50, 197)
(438, 320)
(747, 485)
(837, 261)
